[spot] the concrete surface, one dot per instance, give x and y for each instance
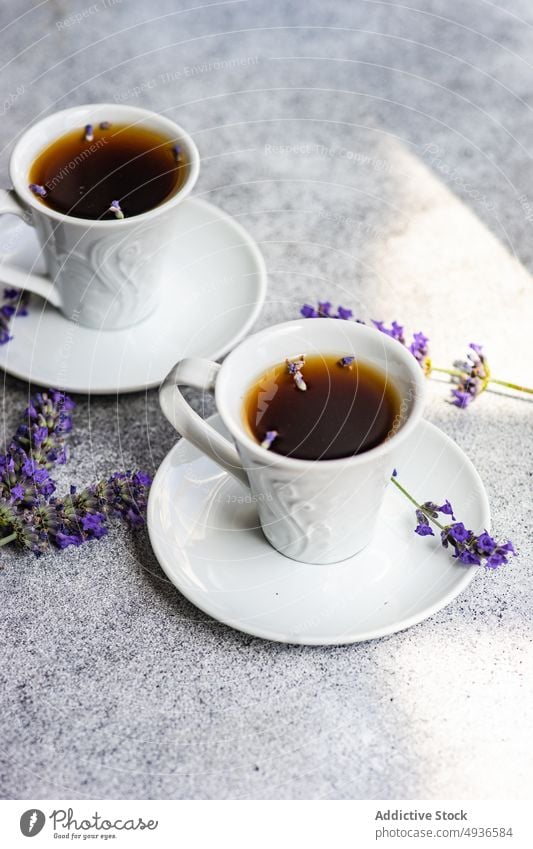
(381, 155)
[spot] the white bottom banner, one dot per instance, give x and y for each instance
(264, 824)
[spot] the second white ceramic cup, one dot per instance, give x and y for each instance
(320, 511)
(102, 274)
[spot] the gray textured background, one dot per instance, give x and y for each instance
(404, 194)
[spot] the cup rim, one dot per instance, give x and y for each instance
(30, 200)
(266, 457)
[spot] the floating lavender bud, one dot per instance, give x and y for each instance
(176, 150)
(89, 133)
(270, 436)
(104, 125)
(115, 208)
(294, 367)
(346, 362)
(38, 190)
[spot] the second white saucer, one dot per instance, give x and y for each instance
(213, 293)
(204, 530)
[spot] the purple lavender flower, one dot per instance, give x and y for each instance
(17, 492)
(446, 509)
(461, 398)
(458, 533)
(115, 209)
(424, 530)
(48, 421)
(104, 125)
(270, 436)
(294, 366)
(346, 362)
(308, 311)
(88, 134)
(176, 150)
(38, 190)
(473, 377)
(344, 314)
(423, 527)
(485, 543)
(63, 540)
(420, 351)
(468, 558)
(15, 304)
(94, 525)
(395, 331)
(495, 560)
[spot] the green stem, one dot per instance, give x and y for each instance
(457, 373)
(10, 538)
(453, 371)
(415, 502)
(512, 385)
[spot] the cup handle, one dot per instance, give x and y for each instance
(37, 283)
(201, 374)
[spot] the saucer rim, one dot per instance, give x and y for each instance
(261, 292)
(377, 633)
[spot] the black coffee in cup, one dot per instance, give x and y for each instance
(108, 171)
(321, 407)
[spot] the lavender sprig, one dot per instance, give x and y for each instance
(79, 517)
(39, 443)
(470, 377)
(474, 376)
(468, 548)
(30, 513)
(418, 345)
(15, 302)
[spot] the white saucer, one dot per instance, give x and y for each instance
(226, 287)
(204, 532)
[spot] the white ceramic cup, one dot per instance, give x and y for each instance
(103, 274)
(319, 511)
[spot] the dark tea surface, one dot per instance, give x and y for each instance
(343, 410)
(82, 173)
